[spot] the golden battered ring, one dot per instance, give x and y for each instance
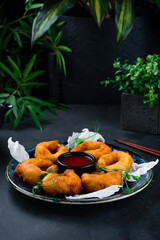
(116, 160)
(50, 150)
(97, 149)
(31, 169)
(68, 183)
(97, 181)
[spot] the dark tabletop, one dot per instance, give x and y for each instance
(23, 217)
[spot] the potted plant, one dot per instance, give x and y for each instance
(19, 66)
(140, 101)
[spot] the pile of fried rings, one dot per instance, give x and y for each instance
(68, 182)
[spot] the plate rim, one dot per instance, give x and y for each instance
(86, 201)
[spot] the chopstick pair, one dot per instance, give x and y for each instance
(142, 148)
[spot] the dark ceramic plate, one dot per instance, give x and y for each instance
(26, 189)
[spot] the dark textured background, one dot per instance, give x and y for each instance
(93, 53)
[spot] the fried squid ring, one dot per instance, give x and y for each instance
(97, 181)
(117, 159)
(31, 169)
(68, 183)
(50, 150)
(97, 149)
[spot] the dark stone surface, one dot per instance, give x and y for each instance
(137, 116)
(93, 53)
(26, 218)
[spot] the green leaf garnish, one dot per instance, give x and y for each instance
(52, 171)
(43, 175)
(78, 141)
(126, 175)
(37, 189)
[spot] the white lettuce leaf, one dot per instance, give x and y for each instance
(85, 134)
(17, 151)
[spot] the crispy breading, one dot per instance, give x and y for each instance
(50, 150)
(92, 182)
(117, 159)
(31, 169)
(68, 183)
(97, 149)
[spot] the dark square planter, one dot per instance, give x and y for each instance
(137, 116)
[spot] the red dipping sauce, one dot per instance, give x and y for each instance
(76, 161)
(80, 162)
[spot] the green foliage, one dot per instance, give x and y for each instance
(17, 86)
(142, 77)
(52, 41)
(15, 38)
(125, 11)
(125, 16)
(18, 93)
(126, 176)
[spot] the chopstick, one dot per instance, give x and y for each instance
(142, 148)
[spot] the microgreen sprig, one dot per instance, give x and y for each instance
(37, 189)
(126, 176)
(81, 140)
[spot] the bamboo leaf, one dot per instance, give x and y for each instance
(17, 38)
(29, 66)
(37, 100)
(36, 5)
(5, 42)
(53, 111)
(99, 9)
(64, 48)
(4, 95)
(34, 117)
(58, 59)
(32, 75)
(8, 112)
(63, 63)
(7, 70)
(38, 110)
(12, 101)
(25, 25)
(15, 67)
(60, 24)
(58, 37)
(125, 15)
(19, 116)
(33, 84)
(10, 90)
(48, 14)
